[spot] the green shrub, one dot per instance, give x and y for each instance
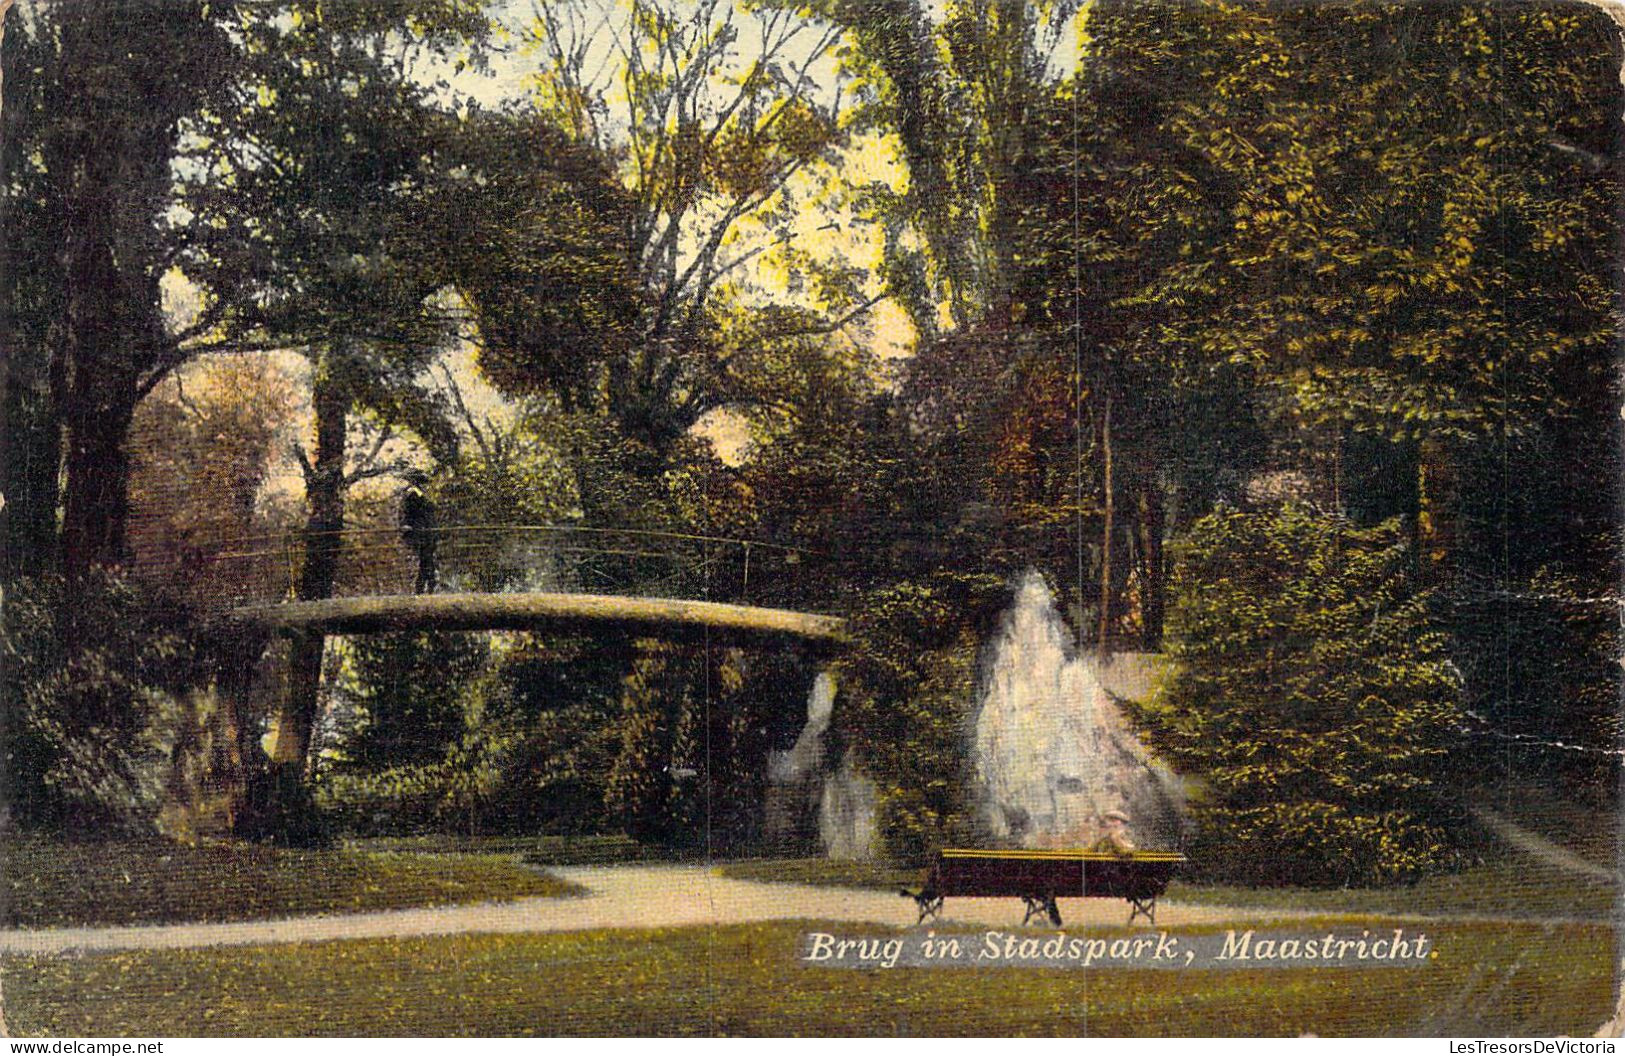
(650, 786)
(451, 790)
(1311, 693)
(527, 749)
(693, 731)
(409, 687)
(564, 694)
(399, 801)
(906, 698)
(98, 681)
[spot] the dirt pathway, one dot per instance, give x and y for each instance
(640, 896)
(1537, 846)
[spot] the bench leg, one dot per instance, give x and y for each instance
(1041, 906)
(1146, 907)
(929, 905)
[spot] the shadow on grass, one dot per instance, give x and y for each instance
(48, 883)
(1488, 980)
(1513, 886)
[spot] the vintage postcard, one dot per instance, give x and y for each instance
(833, 517)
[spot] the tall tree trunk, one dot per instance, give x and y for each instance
(94, 382)
(324, 488)
(237, 748)
(897, 36)
(112, 334)
(1107, 528)
(1153, 571)
(97, 492)
(107, 160)
(30, 476)
(5, 9)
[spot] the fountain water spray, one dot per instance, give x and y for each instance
(805, 785)
(1052, 750)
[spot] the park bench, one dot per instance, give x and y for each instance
(1039, 877)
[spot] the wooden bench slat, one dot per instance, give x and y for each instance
(1040, 876)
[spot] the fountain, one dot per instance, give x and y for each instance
(806, 787)
(847, 814)
(1053, 752)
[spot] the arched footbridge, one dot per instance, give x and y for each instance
(540, 610)
(569, 579)
(503, 577)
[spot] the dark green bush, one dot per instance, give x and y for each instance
(906, 698)
(1312, 694)
(444, 775)
(399, 801)
(523, 745)
(95, 673)
(409, 689)
(651, 790)
(693, 728)
(563, 693)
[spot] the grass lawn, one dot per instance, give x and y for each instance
(46, 883)
(1511, 887)
(824, 872)
(745, 979)
(1514, 886)
(535, 850)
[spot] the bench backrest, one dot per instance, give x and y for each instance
(1043, 873)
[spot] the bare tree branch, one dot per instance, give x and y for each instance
(474, 429)
(365, 466)
(307, 470)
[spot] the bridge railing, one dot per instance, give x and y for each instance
(481, 558)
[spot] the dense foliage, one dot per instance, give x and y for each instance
(100, 704)
(410, 686)
(695, 726)
(912, 297)
(907, 690)
(1312, 694)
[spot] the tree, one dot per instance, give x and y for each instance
(835, 478)
(651, 788)
(719, 112)
(507, 472)
(906, 701)
(1405, 261)
(1200, 230)
(203, 445)
(1312, 694)
(564, 693)
(88, 713)
(1411, 270)
(30, 306)
(533, 229)
(91, 148)
(694, 728)
(410, 687)
(1048, 207)
(957, 86)
(316, 181)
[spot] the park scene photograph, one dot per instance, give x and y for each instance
(810, 517)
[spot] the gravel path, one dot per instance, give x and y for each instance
(1538, 846)
(629, 896)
